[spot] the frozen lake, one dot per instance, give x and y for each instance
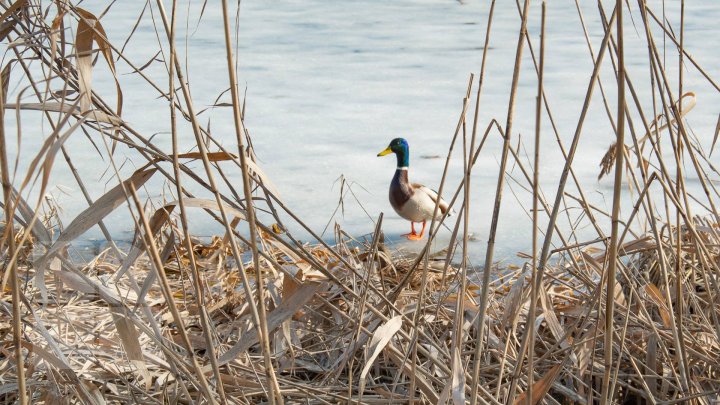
(330, 83)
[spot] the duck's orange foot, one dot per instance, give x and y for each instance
(414, 236)
(412, 233)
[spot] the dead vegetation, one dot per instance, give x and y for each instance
(256, 316)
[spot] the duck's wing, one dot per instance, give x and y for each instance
(433, 196)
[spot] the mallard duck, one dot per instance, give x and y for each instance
(412, 201)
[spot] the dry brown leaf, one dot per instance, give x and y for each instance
(597, 267)
(212, 156)
(7, 26)
(160, 217)
(252, 166)
(274, 319)
(398, 358)
(468, 304)
(53, 106)
(5, 78)
(458, 379)
(513, 302)
(552, 321)
(379, 340)
(715, 137)
(657, 298)
(83, 50)
(152, 276)
(39, 231)
(129, 338)
(685, 104)
(540, 387)
(91, 30)
(634, 246)
(45, 355)
(296, 260)
(100, 209)
(55, 34)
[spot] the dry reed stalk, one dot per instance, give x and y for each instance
(258, 315)
(679, 181)
(607, 394)
(456, 382)
(476, 364)
(10, 262)
(200, 297)
(578, 184)
(498, 193)
(162, 277)
(680, 189)
(536, 180)
(274, 395)
(431, 234)
(669, 34)
(606, 104)
(571, 155)
(363, 303)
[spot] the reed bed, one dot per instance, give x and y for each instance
(257, 316)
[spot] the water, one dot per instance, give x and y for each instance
(329, 84)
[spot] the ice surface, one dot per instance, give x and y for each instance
(330, 83)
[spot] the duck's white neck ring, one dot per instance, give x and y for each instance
(402, 167)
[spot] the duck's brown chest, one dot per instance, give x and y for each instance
(400, 190)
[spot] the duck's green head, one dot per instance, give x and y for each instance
(401, 149)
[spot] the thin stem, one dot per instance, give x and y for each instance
(197, 279)
(275, 396)
(480, 325)
(536, 180)
(10, 265)
(612, 258)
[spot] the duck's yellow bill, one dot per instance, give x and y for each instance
(387, 151)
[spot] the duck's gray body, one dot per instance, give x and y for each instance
(413, 201)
